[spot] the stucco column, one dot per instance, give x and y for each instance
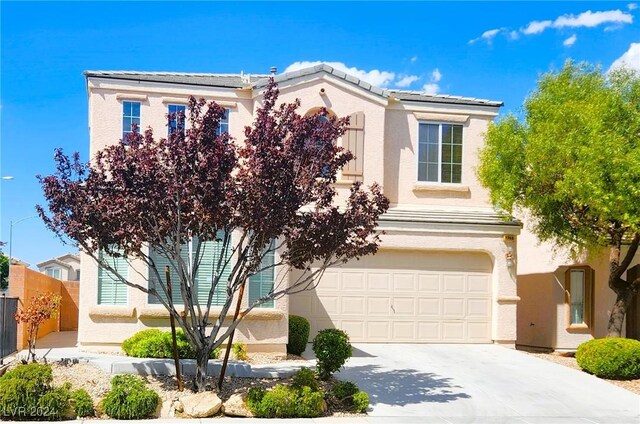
(505, 295)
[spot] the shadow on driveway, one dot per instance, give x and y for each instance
(402, 386)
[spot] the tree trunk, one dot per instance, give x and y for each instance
(616, 319)
(202, 361)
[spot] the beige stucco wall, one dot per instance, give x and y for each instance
(390, 139)
(542, 319)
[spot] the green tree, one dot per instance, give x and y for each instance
(573, 162)
(4, 271)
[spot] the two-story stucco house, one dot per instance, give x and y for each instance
(446, 269)
(65, 267)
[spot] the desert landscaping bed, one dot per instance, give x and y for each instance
(570, 361)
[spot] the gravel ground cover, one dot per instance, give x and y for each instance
(569, 361)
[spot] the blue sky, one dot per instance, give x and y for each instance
(487, 50)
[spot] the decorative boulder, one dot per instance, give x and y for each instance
(236, 406)
(201, 405)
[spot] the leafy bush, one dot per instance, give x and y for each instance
(82, 403)
(254, 398)
(344, 389)
(360, 402)
(129, 399)
(298, 334)
(613, 358)
(309, 403)
(332, 349)
(154, 343)
(55, 405)
(305, 378)
(285, 402)
(22, 388)
(239, 351)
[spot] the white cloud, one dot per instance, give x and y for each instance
(406, 80)
(630, 59)
(632, 6)
(374, 76)
(414, 59)
(431, 88)
(514, 35)
(570, 41)
(487, 35)
(591, 19)
(436, 75)
(536, 27)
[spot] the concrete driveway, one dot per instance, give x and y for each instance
(481, 383)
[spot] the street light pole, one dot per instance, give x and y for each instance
(11, 224)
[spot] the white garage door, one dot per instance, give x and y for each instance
(404, 296)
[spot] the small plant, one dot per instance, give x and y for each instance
(360, 402)
(41, 308)
(154, 343)
(298, 334)
(332, 349)
(239, 351)
(343, 390)
(613, 358)
(55, 405)
(129, 399)
(305, 378)
(279, 402)
(254, 398)
(285, 402)
(82, 403)
(309, 403)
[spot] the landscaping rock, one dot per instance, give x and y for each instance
(177, 405)
(201, 405)
(236, 406)
(167, 410)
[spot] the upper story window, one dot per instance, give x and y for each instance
(52, 272)
(176, 118)
(130, 117)
(440, 153)
(224, 123)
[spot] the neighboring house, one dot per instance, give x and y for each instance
(65, 267)
(446, 268)
(565, 301)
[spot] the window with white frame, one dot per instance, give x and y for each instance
(52, 272)
(224, 123)
(579, 295)
(261, 283)
(130, 117)
(176, 118)
(439, 153)
(111, 290)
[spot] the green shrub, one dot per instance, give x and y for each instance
(22, 388)
(55, 404)
(285, 402)
(360, 402)
(239, 351)
(298, 334)
(305, 378)
(129, 399)
(613, 358)
(154, 343)
(344, 389)
(82, 403)
(332, 349)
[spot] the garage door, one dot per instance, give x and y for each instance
(404, 296)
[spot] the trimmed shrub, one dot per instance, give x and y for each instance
(285, 402)
(360, 402)
(612, 358)
(154, 343)
(129, 399)
(22, 388)
(305, 378)
(55, 404)
(332, 349)
(344, 389)
(82, 403)
(239, 351)
(298, 334)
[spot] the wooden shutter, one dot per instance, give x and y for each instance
(112, 291)
(261, 284)
(161, 262)
(353, 140)
(212, 250)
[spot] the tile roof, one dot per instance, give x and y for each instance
(260, 81)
